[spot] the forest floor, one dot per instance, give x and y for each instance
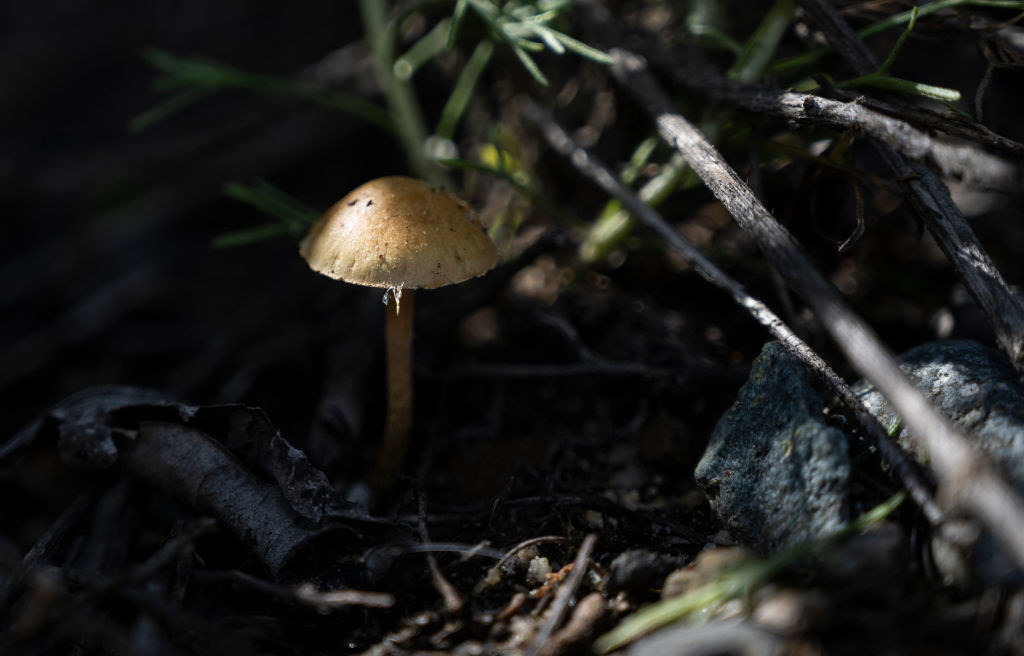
(187, 427)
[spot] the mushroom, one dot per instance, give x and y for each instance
(400, 234)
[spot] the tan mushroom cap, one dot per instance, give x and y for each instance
(399, 232)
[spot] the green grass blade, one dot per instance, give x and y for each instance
(895, 20)
(424, 50)
(456, 22)
(166, 109)
(203, 76)
(547, 35)
(583, 49)
(294, 215)
(887, 64)
(761, 46)
(529, 64)
(248, 236)
(463, 90)
(942, 94)
(744, 579)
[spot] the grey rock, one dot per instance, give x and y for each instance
(637, 570)
(973, 385)
(774, 472)
(978, 389)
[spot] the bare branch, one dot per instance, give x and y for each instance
(562, 143)
(452, 599)
(565, 593)
(927, 119)
(966, 478)
(931, 200)
(305, 594)
(841, 36)
(588, 612)
(962, 160)
(185, 462)
(700, 78)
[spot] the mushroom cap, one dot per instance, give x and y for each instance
(399, 232)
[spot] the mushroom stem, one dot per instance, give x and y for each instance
(398, 342)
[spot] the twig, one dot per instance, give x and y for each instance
(931, 201)
(691, 73)
(98, 585)
(324, 600)
(589, 611)
(560, 140)
(52, 539)
(465, 551)
(51, 597)
(565, 593)
(23, 438)
(305, 594)
(451, 597)
(961, 160)
(167, 446)
(544, 539)
(966, 477)
(927, 119)
(895, 126)
(699, 78)
(186, 463)
(168, 553)
(848, 45)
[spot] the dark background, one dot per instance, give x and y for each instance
(107, 272)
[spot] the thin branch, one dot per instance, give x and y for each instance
(52, 539)
(925, 191)
(931, 201)
(697, 76)
(928, 119)
(305, 594)
(186, 463)
(848, 45)
(589, 612)
(452, 599)
(953, 159)
(562, 143)
(905, 129)
(966, 478)
(544, 539)
(565, 593)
